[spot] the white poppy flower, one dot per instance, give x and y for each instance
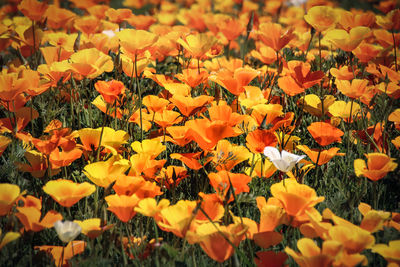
(67, 231)
(284, 161)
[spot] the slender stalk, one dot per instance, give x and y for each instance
(140, 99)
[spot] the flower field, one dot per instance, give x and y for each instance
(199, 133)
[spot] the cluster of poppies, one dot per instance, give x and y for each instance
(121, 112)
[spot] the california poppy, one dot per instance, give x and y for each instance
(259, 139)
(58, 252)
(324, 133)
(299, 77)
(378, 165)
(66, 192)
(122, 206)
(8, 197)
(321, 18)
(274, 36)
(197, 45)
(295, 198)
(110, 90)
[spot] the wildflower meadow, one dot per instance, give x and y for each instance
(199, 133)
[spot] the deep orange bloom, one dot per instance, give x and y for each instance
(133, 42)
(324, 133)
(222, 180)
(354, 90)
(211, 237)
(89, 25)
(320, 155)
(30, 218)
(179, 135)
(57, 252)
(58, 17)
(378, 165)
(193, 77)
(128, 185)
(231, 28)
(197, 45)
(155, 103)
(188, 105)
(235, 83)
(110, 91)
(167, 118)
(257, 140)
(272, 35)
(118, 15)
(299, 77)
(122, 206)
(64, 158)
(33, 9)
(66, 192)
(295, 198)
(321, 18)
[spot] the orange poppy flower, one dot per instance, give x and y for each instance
(141, 22)
(390, 21)
(155, 103)
(189, 106)
(9, 193)
(222, 180)
(321, 155)
(231, 28)
(66, 192)
(344, 73)
(133, 42)
(177, 218)
(257, 140)
(128, 185)
(33, 9)
(197, 45)
(99, 11)
(90, 63)
(390, 252)
(58, 17)
(191, 160)
(295, 198)
(111, 90)
(235, 83)
(179, 135)
(88, 25)
(347, 41)
(57, 252)
(349, 20)
(111, 139)
(324, 133)
(299, 77)
(167, 118)
(311, 255)
(211, 237)
(227, 155)
(321, 18)
(103, 173)
(354, 90)
(122, 206)
(207, 133)
(171, 176)
(378, 165)
(274, 36)
(265, 54)
(63, 158)
(30, 218)
(37, 164)
(11, 86)
(118, 15)
(193, 77)
(92, 228)
(366, 52)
